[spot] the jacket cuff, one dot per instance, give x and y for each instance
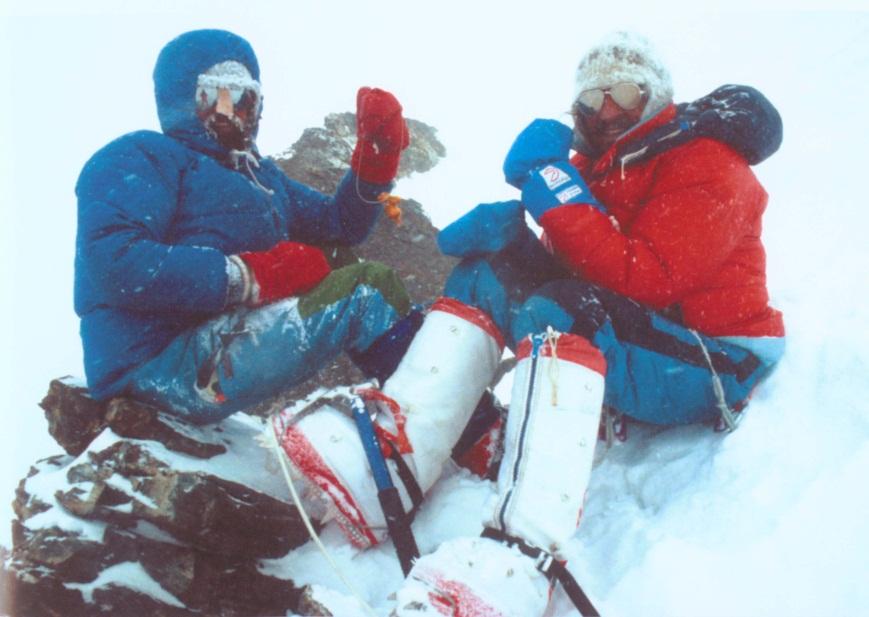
(369, 191)
(240, 284)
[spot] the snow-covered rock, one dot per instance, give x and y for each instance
(154, 516)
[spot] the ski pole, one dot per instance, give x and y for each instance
(390, 501)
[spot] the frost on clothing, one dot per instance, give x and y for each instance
(245, 356)
(424, 407)
(667, 279)
(683, 230)
(158, 214)
(624, 57)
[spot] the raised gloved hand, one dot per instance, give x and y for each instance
(286, 269)
(488, 228)
(538, 164)
(381, 136)
(540, 143)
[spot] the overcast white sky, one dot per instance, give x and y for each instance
(78, 74)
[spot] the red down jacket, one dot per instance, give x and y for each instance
(684, 229)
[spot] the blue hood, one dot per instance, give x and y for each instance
(179, 65)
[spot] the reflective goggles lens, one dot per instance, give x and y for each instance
(235, 79)
(206, 95)
(626, 95)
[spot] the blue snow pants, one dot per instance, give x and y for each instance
(248, 355)
(657, 369)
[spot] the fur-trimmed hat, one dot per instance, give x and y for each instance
(626, 56)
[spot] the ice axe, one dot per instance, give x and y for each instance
(397, 520)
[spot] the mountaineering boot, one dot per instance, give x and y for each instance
(422, 410)
(549, 445)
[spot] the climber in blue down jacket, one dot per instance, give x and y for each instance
(199, 279)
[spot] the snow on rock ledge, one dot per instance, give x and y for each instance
(154, 517)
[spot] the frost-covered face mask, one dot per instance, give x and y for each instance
(228, 102)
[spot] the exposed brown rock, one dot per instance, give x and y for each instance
(129, 503)
(74, 418)
(129, 418)
(202, 583)
(321, 157)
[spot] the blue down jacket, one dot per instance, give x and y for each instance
(159, 212)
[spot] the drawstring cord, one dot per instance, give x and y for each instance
(551, 337)
(389, 202)
(248, 157)
(683, 126)
(307, 521)
(727, 415)
(630, 157)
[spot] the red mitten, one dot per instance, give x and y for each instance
(286, 269)
(381, 136)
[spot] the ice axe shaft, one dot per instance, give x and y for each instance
(397, 520)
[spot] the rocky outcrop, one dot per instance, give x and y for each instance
(319, 159)
(320, 156)
(154, 516)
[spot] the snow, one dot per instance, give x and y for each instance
(129, 574)
(124, 485)
(768, 520)
(44, 486)
(248, 459)
(55, 517)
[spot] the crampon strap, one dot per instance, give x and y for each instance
(397, 438)
(550, 567)
(410, 484)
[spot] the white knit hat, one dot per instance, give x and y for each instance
(626, 56)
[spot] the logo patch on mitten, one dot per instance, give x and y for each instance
(553, 177)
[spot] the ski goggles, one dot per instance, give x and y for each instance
(626, 95)
(244, 90)
(206, 96)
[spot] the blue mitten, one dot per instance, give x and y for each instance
(542, 142)
(538, 164)
(554, 185)
(488, 228)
